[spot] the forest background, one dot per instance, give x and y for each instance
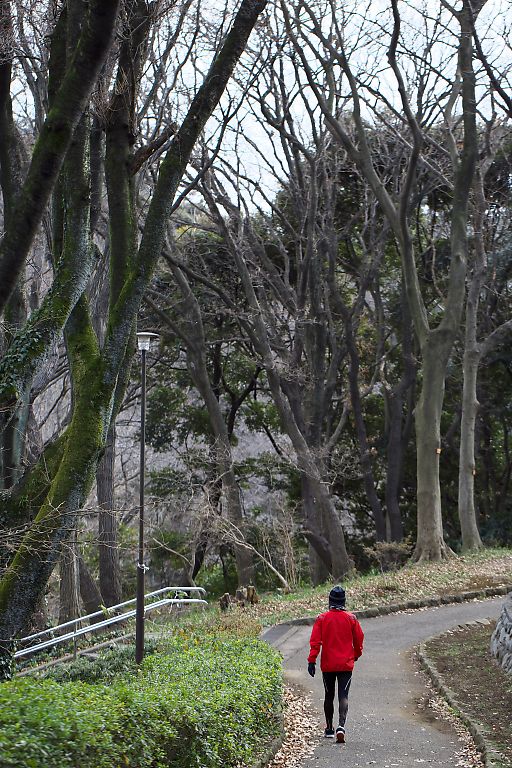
(310, 204)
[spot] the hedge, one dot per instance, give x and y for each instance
(197, 703)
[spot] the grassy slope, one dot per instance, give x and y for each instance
(475, 571)
(478, 570)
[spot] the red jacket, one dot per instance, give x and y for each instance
(340, 635)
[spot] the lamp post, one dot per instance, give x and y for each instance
(143, 344)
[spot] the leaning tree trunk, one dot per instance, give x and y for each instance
(430, 543)
(54, 140)
(222, 449)
(307, 461)
(306, 458)
(192, 333)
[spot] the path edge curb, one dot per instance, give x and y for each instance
(408, 605)
(489, 754)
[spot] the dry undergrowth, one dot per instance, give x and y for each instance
(412, 582)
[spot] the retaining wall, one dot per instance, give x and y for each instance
(501, 640)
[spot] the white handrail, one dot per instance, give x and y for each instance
(107, 622)
(110, 609)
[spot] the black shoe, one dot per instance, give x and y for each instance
(340, 734)
(329, 733)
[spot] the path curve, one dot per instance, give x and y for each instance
(384, 727)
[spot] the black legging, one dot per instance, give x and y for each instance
(344, 679)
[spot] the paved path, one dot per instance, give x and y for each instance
(384, 726)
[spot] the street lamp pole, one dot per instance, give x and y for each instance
(143, 344)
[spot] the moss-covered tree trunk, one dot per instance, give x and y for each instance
(13, 423)
(55, 137)
(99, 376)
(23, 584)
(108, 543)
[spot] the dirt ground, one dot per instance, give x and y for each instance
(482, 688)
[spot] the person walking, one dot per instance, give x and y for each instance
(338, 633)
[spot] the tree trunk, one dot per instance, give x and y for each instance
(24, 581)
(69, 605)
(54, 140)
(199, 555)
(320, 559)
(399, 428)
(108, 545)
(341, 564)
(243, 556)
(15, 421)
(362, 438)
(467, 470)
(472, 358)
(230, 495)
(306, 458)
(89, 592)
(394, 468)
(192, 333)
(430, 544)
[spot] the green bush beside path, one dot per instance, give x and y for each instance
(197, 703)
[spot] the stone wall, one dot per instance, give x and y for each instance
(501, 640)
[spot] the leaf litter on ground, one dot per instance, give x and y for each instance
(472, 572)
(301, 726)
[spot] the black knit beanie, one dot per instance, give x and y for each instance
(337, 597)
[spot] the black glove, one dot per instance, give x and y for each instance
(312, 668)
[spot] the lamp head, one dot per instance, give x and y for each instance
(144, 340)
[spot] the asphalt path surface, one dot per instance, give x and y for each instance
(385, 727)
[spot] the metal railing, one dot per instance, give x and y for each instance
(80, 630)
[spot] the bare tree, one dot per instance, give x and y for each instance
(188, 326)
(325, 42)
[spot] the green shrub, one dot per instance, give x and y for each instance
(196, 703)
(50, 725)
(111, 664)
